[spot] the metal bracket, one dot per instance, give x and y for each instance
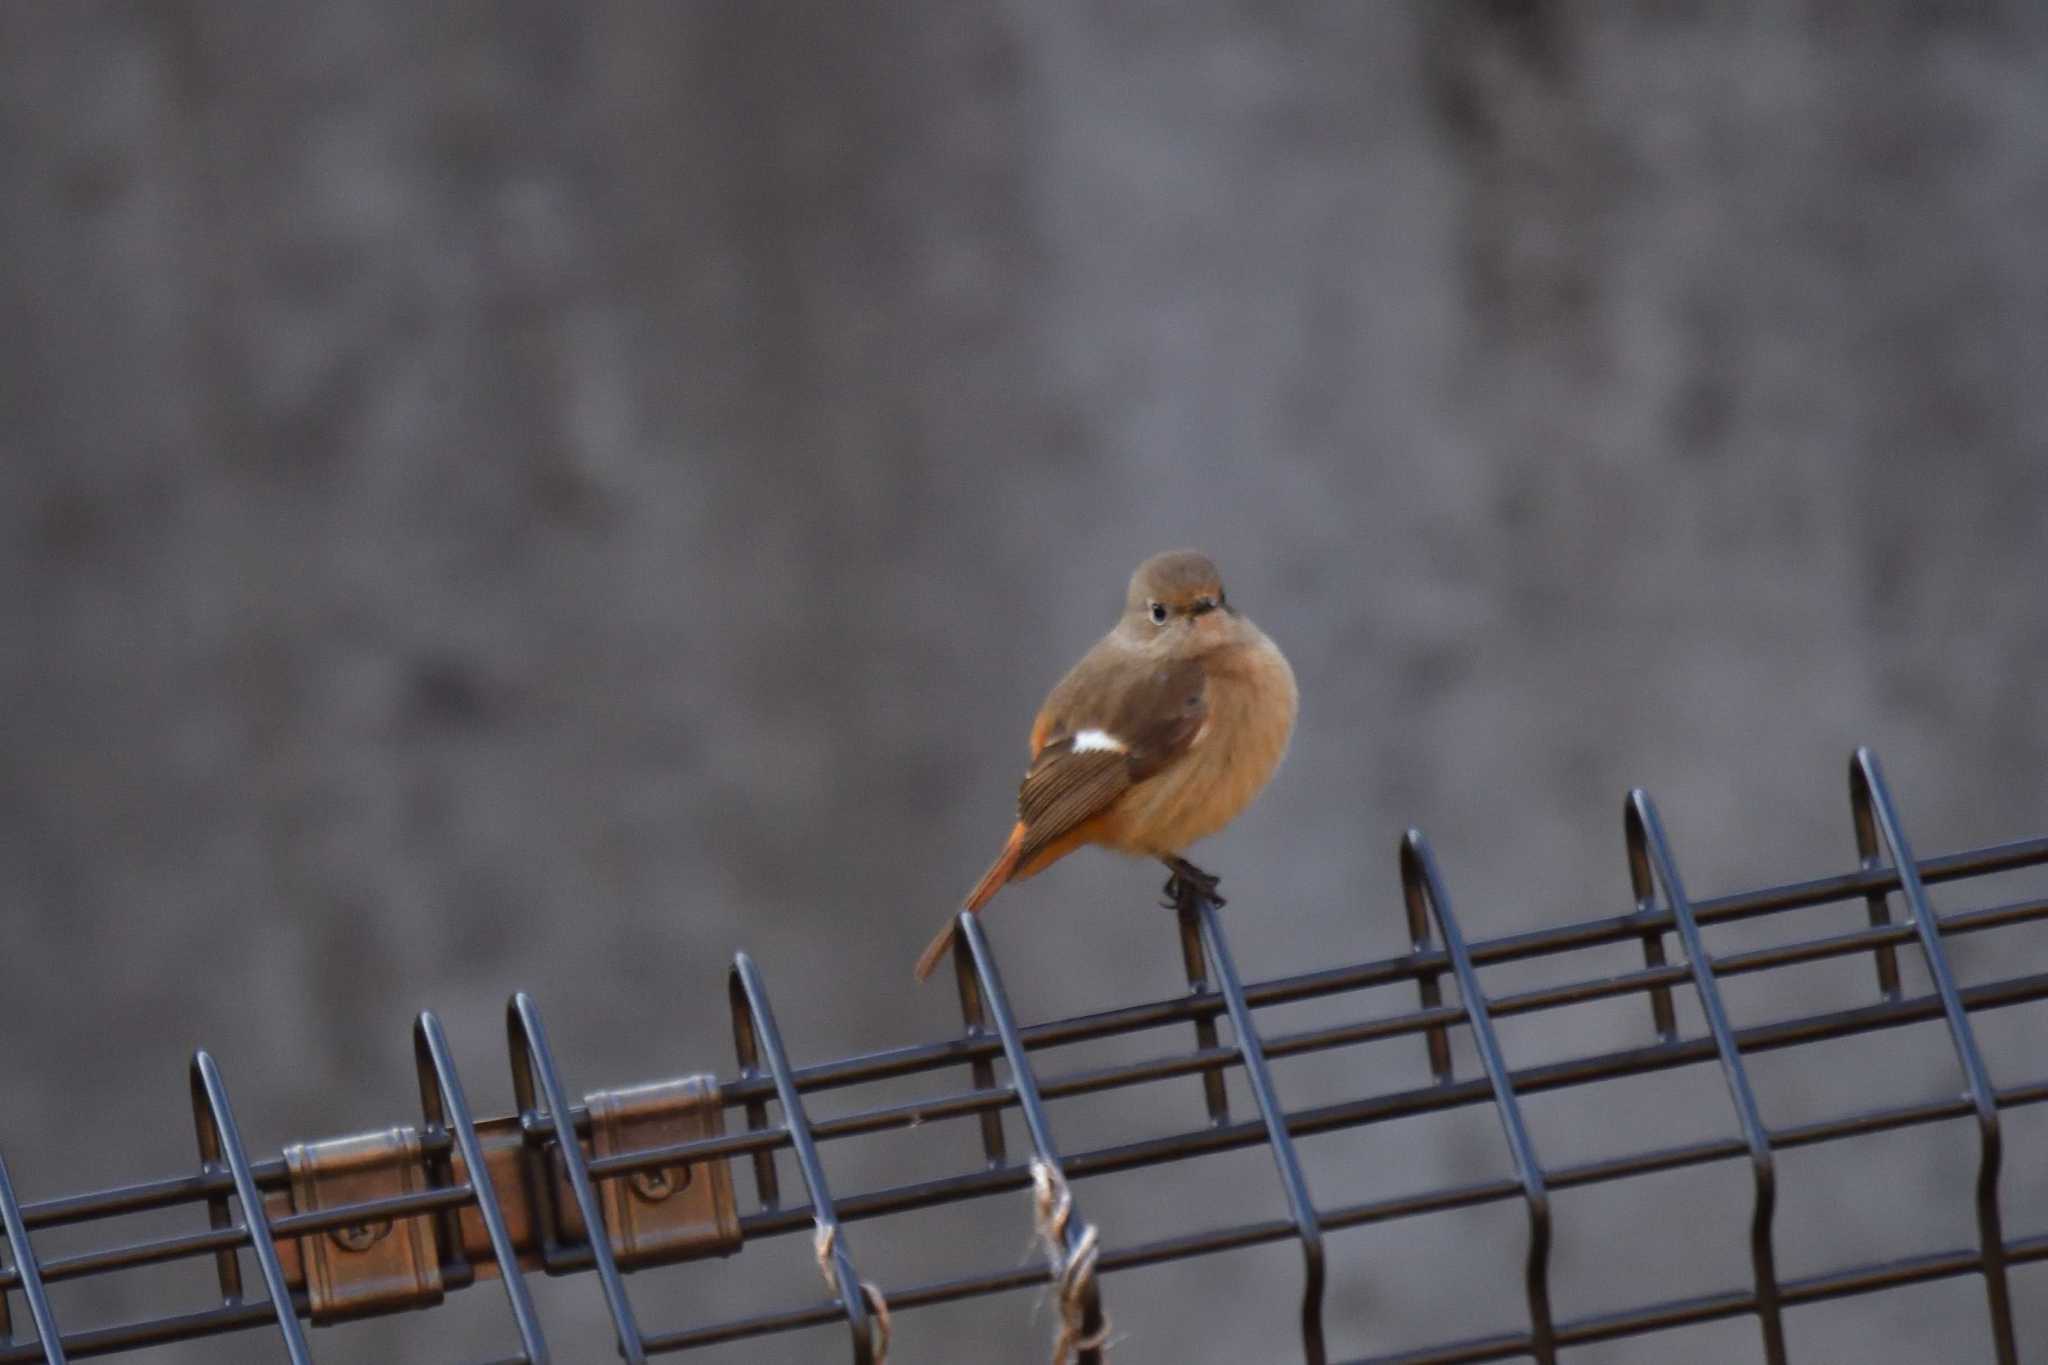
(668, 1213)
(373, 1267)
(676, 1212)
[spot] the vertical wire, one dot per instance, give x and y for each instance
(1024, 1081)
(983, 1069)
(532, 1059)
(1423, 887)
(52, 1341)
(749, 993)
(444, 1106)
(1429, 992)
(1871, 803)
(210, 1100)
(746, 1047)
(1215, 1091)
(227, 1264)
(1300, 1205)
(1663, 1016)
(1649, 864)
(1885, 956)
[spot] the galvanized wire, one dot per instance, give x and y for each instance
(991, 1033)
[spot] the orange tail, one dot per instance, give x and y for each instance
(991, 882)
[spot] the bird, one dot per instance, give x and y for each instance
(1161, 735)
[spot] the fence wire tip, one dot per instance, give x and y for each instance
(1072, 1272)
(824, 1241)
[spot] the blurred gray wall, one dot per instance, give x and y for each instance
(544, 496)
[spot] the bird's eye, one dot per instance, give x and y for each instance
(1159, 613)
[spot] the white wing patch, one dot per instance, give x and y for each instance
(1085, 740)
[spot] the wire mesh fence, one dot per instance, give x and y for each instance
(396, 1219)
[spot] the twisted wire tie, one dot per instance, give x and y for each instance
(825, 1243)
(1072, 1273)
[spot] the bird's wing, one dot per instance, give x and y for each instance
(1106, 728)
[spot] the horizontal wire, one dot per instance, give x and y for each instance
(904, 1061)
(1686, 1312)
(1237, 1237)
(1393, 970)
(272, 1175)
(1847, 1282)
(963, 1104)
(967, 1103)
(134, 1336)
(1760, 1038)
(1427, 1099)
(223, 1239)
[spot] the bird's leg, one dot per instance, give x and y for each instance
(1189, 880)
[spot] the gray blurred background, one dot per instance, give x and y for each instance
(543, 497)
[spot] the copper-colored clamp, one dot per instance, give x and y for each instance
(370, 1267)
(667, 1213)
(674, 1212)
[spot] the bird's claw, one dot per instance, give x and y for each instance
(1188, 882)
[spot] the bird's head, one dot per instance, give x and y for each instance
(1178, 594)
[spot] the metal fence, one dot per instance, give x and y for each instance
(392, 1220)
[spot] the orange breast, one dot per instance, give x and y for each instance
(1252, 703)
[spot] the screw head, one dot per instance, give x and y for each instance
(360, 1236)
(657, 1185)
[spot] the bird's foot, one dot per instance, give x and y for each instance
(1189, 881)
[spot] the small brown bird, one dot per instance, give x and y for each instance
(1158, 737)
